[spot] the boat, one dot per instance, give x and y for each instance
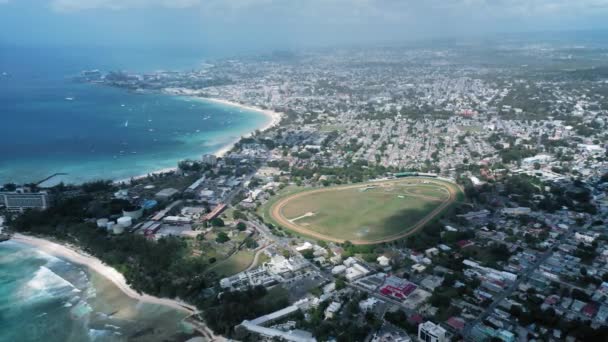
(69, 99)
(127, 123)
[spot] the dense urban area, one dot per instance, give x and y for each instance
(519, 255)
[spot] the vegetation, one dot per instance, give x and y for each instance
(223, 312)
(159, 268)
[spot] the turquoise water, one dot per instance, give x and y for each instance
(43, 298)
(51, 124)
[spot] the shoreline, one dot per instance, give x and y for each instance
(275, 119)
(97, 266)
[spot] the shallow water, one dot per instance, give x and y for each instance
(44, 298)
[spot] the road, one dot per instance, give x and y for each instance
(280, 242)
(524, 275)
(259, 252)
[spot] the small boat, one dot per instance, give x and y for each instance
(69, 99)
(127, 123)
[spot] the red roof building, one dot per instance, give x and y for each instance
(397, 287)
(589, 310)
(464, 243)
(456, 322)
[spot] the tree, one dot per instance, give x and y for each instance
(222, 237)
(340, 283)
(9, 187)
(239, 215)
(308, 254)
(217, 222)
(251, 243)
(241, 226)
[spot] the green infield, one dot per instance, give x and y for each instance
(365, 213)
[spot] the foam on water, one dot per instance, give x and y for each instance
(43, 298)
(45, 285)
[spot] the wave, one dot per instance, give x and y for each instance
(18, 252)
(46, 285)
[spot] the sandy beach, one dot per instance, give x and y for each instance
(275, 119)
(94, 264)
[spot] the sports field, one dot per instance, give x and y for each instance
(365, 213)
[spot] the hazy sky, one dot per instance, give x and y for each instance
(283, 23)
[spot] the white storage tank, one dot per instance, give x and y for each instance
(102, 223)
(134, 212)
(125, 221)
(110, 225)
(118, 229)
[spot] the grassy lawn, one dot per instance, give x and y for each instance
(233, 265)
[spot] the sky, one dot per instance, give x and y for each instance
(282, 23)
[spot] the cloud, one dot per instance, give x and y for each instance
(349, 8)
(82, 5)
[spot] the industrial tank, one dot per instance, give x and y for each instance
(134, 212)
(125, 221)
(102, 223)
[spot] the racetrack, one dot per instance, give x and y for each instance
(276, 211)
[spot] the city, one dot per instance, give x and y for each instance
(517, 254)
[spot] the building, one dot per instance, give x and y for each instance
(166, 194)
(430, 332)
(397, 288)
(22, 199)
(517, 211)
(383, 261)
(332, 309)
(258, 326)
(209, 159)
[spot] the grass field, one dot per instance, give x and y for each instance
(364, 213)
(234, 264)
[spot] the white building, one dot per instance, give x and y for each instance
(383, 261)
(209, 159)
(431, 332)
(23, 199)
(368, 304)
(332, 309)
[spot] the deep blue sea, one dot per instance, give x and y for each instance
(51, 124)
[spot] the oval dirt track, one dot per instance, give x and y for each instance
(276, 212)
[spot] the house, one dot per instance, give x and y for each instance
(431, 252)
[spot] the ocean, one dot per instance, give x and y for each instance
(51, 124)
(44, 298)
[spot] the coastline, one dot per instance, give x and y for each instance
(275, 119)
(97, 266)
